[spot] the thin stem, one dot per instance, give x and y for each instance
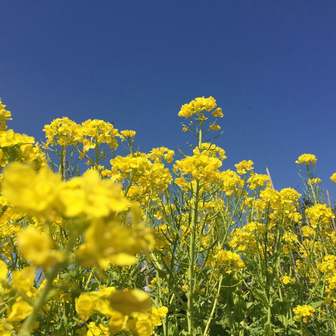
(26, 327)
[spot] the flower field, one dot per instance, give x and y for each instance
(98, 243)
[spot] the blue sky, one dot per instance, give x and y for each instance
(269, 64)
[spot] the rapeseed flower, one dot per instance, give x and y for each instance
(196, 106)
(38, 248)
(31, 191)
(4, 116)
(303, 312)
(333, 178)
(306, 159)
(286, 280)
(244, 166)
(319, 214)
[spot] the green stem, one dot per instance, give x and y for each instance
(191, 280)
(27, 325)
(213, 307)
(193, 230)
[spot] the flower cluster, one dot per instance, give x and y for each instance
(143, 243)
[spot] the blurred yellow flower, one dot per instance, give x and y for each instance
(129, 301)
(37, 248)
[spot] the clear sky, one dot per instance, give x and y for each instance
(271, 66)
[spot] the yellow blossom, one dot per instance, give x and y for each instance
(37, 248)
(306, 159)
(30, 190)
(218, 113)
(333, 177)
(286, 280)
(128, 301)
(19, 311)
(215, 127)
(23, 280)
(303, 312)
(4, 116)
(196, 106)
(97, 330)
(117, 322)
(128, 134)
(92, 196)
(244, 166)
(3, 270)
(319, 214)
(157, 314)
(85, 304)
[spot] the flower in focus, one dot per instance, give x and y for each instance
(127, 134)
(217, 113)
(4, 116)
(314, 181)
(306, 159)
(215, 127)
(303, 312)
(244, 166)
(196, 106)
(319, 214)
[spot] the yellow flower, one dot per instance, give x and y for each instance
(129, 301)
(196, 106)
(228, 259)
(244, 166)
(31, 191)
(96, 132)
(85, 304)
(92, 196)
(4, 116)
(3, 270)
(319, 214)
(157, 314)
(128, 134)
(185, 288)
(63, 132)
(24, 279)
(333, 177)
(306, 159)
(9, 139)
(110, 242)
(117, 322)
(215, 127)
(217, 113)
(314, 181)
(19, 311)
(303, 312)
(286, 280)
(140, 326)
(257, 180)
(37, 248)
(157, 154)
(99, 330)
(199, 166)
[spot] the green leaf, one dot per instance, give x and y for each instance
(316, 304)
